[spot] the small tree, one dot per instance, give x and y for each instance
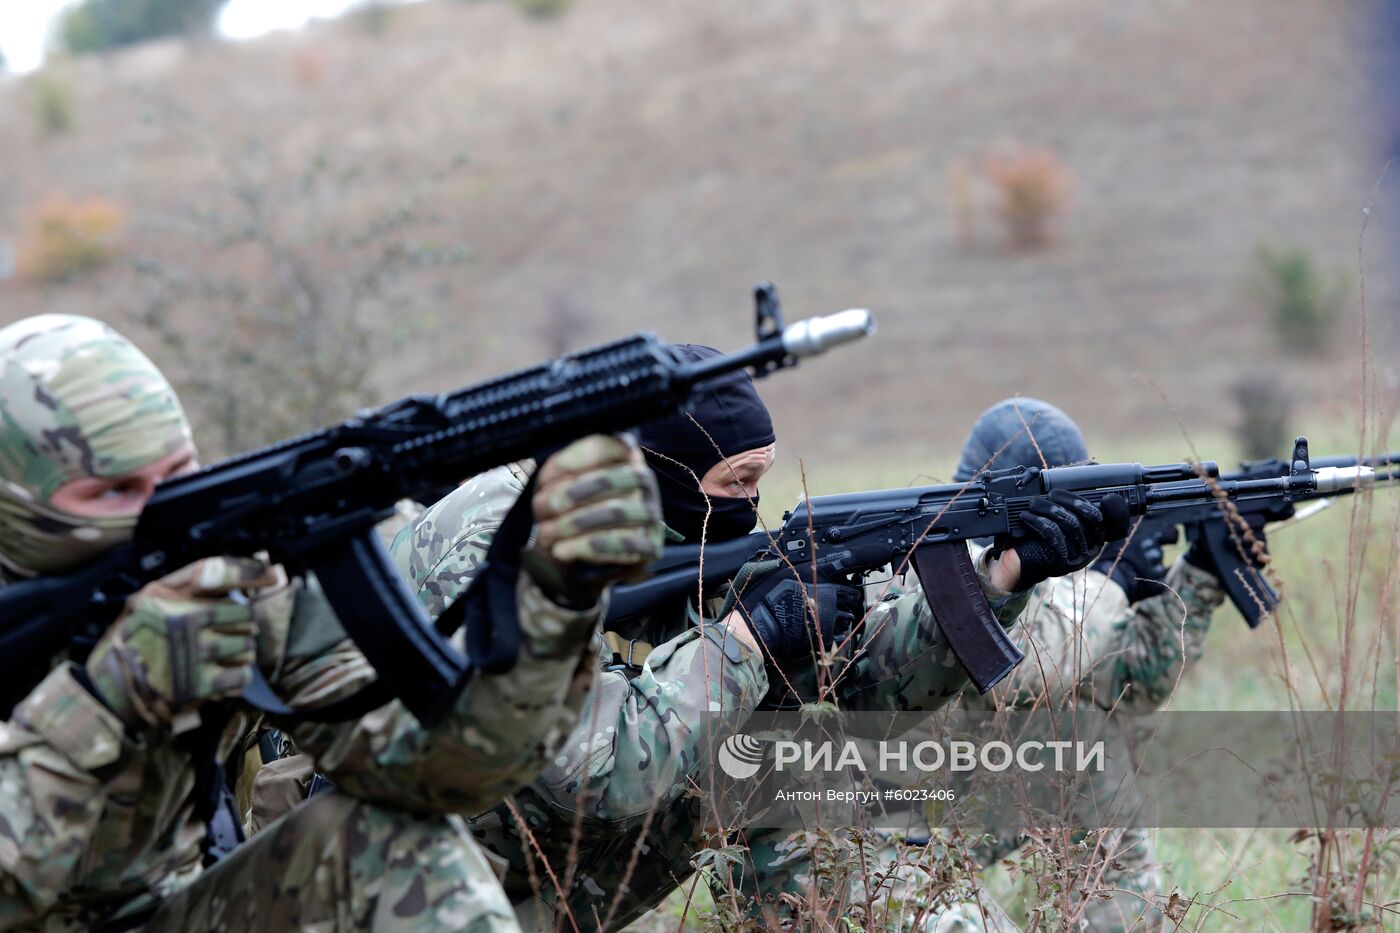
(301, 289)
(1034, 187)
(99, 25)
(54, 110)
(1304, 301)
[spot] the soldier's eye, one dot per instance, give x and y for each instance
(121, 491)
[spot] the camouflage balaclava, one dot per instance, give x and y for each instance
(77, 399)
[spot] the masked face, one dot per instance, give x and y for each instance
(708, 461)
(88, 425)
(731, 487)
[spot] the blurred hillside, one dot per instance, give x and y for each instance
(634, 164)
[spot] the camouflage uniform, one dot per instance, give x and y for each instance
(623, 775)
(1085, 645)
(98, 816)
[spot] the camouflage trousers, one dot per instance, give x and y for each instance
(340, 863)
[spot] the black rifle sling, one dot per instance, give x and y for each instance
(488, 606)
(976, 637)
(213, 802)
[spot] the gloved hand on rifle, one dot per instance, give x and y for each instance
(183, 640)
(1248, 542)
(1065, 533)
(1135, 564)
(793, 618)
(598, 517)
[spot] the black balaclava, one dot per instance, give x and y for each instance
(1004, 425)
(736, 420)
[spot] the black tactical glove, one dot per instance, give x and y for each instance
(1135, 564)
(1066, 532)
(1255, 552)
(785, 612)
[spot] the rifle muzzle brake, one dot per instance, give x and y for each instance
(819, 334)
(1336, 479)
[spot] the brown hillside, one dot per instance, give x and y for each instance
(640, 164)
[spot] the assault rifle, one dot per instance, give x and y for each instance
(1244, 581)
(311, 503)
(851, 535)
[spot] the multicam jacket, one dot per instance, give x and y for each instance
(624, 775)
(1085, 646)
(95, 821)
(1082, 639)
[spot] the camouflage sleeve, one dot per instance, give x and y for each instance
(1069, 625)
(903, 662)
(503, 727)
(639, 738)
(63, 756)
(1153, 641)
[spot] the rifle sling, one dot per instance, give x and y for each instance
(488, 607)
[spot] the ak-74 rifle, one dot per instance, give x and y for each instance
(311, 504)
(1244, 581)
(854, 534)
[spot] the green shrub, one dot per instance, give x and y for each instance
(54, 110)
(1304, 302)
(374, 17)
(99, 25)
(542, 9)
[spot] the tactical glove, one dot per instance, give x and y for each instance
(1252, 547)
(1135, 564)
(181, 641)
(786, 610)
(598, 518)
(1066, 532)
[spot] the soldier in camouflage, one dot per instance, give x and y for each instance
(95, 781)
(613, 825)
(1116, 636)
